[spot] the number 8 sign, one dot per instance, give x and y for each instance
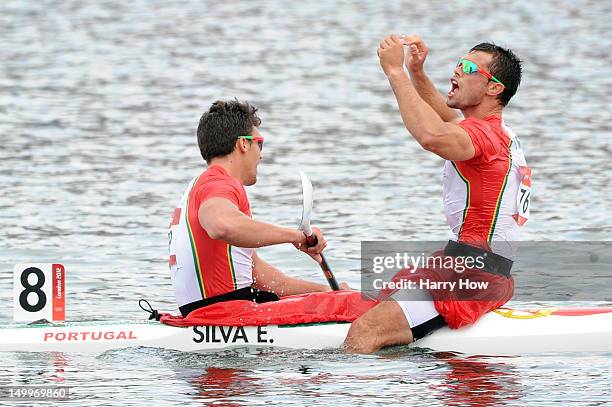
(39, 292)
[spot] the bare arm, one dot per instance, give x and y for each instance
(428, 92)
(223, 221)
(447, 140)
(414, 60)
(269, 278)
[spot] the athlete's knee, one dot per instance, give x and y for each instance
(383, 325)
(362, 337)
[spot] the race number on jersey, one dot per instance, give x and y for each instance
(39, 292)
(523, 197)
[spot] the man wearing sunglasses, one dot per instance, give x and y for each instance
(212, 234)
(484, 175)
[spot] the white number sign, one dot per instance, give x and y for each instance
(39, 292)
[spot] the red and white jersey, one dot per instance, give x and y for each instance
(200, 266)
(482, 195)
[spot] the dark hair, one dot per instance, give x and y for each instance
(505, 66)
(220, 127)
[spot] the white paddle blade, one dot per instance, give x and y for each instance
(307, 208)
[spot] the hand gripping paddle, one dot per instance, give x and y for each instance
(305, 227)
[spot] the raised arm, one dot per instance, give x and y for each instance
(414, 61)
(447, 140)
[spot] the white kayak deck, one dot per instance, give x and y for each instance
(497, 333)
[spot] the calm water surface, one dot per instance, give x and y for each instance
(99, 103)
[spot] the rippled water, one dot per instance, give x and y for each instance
(98, 111)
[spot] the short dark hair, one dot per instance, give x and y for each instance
(505, 66)
(221, 125)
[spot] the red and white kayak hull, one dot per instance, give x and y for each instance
(502, 332)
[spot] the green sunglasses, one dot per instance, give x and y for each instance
(259, 140)
(471, 67)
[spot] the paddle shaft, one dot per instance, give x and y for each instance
(329, 275)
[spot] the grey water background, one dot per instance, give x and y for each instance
(99, 103)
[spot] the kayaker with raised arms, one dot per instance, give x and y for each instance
(484, 174)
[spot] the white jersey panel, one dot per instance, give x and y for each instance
(182, 272)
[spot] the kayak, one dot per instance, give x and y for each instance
(502, 332)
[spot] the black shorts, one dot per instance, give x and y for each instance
(428, 327)
(246, 293)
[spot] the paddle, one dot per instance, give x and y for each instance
(305, 227)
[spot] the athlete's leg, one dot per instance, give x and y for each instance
(383, 325)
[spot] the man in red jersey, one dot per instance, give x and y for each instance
(213, 236)
(486, 185)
